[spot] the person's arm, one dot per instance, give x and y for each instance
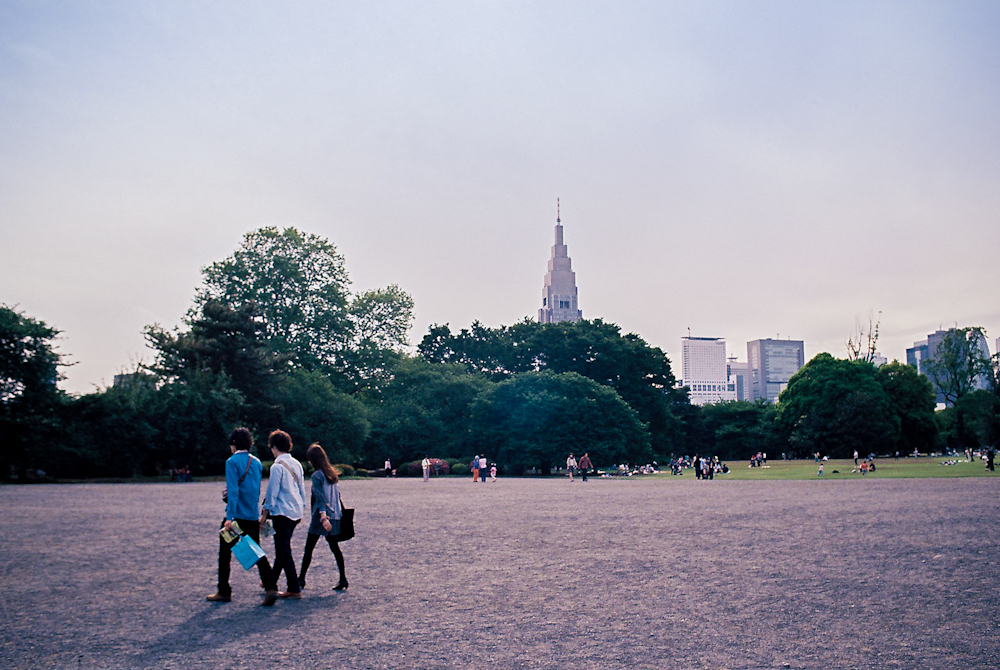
(232, 491)
(273, 485)
(302, 487)
(319, 501)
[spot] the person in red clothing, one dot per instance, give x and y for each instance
(585, 466)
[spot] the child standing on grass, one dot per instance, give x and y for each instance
(820, 473)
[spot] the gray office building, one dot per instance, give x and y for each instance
(772, 363)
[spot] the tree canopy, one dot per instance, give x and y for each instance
(29, 396)
(911, 399)
(639, 374)
(538, 418)
(425, 409)
(296, 286)
(961, 363)
(837, 406)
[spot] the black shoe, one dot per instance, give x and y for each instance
(270, 597)
(341, 585)
(302, 583)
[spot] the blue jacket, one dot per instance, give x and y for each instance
(243, 498)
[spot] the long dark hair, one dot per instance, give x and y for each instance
(318, 458)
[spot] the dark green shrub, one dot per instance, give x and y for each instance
(344, 469)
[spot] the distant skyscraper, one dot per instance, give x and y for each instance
(559, 300)
(739, 378)
(772, 363)
(703, 366)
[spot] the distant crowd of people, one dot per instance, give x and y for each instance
(181, 474)
(705, 468)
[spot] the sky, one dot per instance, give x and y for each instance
(741, 169)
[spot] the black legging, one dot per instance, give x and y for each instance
(311, 540)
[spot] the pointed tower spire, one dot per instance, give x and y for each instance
(559, 296)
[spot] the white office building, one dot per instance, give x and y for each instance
(704, 370)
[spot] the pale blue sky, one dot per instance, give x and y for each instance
(743, 169)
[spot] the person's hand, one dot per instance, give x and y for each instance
(263, 520)
(327, 526)
(228, 525)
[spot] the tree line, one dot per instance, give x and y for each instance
(275, 338)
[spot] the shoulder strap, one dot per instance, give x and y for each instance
(294, 474)
(247, 471)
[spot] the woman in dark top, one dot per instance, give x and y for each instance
(326, 513)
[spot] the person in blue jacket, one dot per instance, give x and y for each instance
(243, 472)
(326, 513)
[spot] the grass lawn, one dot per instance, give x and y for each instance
(886, 468)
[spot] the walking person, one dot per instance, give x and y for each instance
(387, 467)
(483, 466)
(585, 466)
(284, 503)
(493, 472)
(425, 465)
(570, 466)
(474, 466)
(243, 471)
(326, 512)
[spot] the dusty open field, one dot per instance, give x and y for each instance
(520, 574)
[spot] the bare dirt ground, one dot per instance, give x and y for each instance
(519, 574)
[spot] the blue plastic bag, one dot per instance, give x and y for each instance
(247, 552)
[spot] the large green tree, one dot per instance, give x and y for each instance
(29, 397)
(640, 374)
(424, 410)
(961, 363)
(959, 366)
(223, 340)
(296, 284)
(144, 426)
(837, 406)
(739, 429)
(911, 399)
(538, 418)
(314, 410)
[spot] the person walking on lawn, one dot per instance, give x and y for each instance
(284, 503)
(243, 471)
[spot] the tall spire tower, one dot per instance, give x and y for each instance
(559, 299)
